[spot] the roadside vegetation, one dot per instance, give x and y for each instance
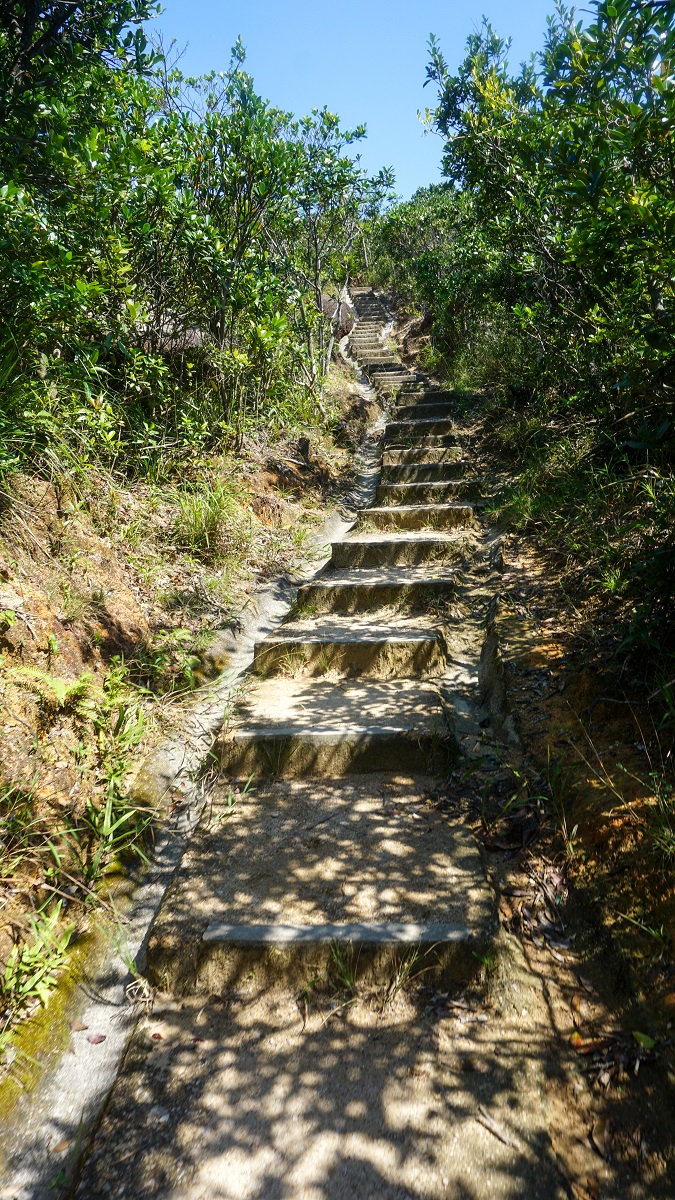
(545, 268)
(539, 281)
(174, 260)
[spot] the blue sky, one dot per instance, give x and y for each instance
(365, 61)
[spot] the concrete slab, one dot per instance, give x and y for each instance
(352, 647)
(263, 1098)
(420, 454)
(366, 590)
(423, 409)
(425, 472)
(271, 881)
(397, 549)
(419, 426)
(285, 727)
(416, 493)
(416, 516)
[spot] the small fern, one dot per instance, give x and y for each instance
(72, 695)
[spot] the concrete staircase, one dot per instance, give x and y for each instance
(358, 690)
(285, 1055)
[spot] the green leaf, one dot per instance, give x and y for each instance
(644, 1040)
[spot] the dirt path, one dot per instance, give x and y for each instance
(337, 1011)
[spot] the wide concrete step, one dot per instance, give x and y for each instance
(420, 428)
(296, 872)
(292, 727)
(416, 516)
(415, 493)
(387, 373)
(411, 589)
(424, 411)
(424, 472)
(412, 441)
(397, 549)
(353, 647)
(428, 393)
(419, 455)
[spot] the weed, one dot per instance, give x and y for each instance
(204, 517)
(556, 789)
(78, 604)
(407, 968)
(52, 649)
(70, 695)
(662, 823)
(169, 663)
(235, 794)
(344, 968)
(7, 619)
(31, 970)
(658, 935)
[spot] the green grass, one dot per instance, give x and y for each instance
(209, 520)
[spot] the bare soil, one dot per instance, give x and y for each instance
(92, 580)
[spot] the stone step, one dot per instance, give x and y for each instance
(432, 395)
(353, 647)
(416, 516)
(408, 588)
(415, 493)
(420, 427)
(390, 383)
(387, 372)
(291, 727)
(275, 884)
(425, 472)
(411, 441)
(397, 549)
(424, 411)
(420, 455)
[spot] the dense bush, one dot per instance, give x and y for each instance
(165, 243)
(547, 263)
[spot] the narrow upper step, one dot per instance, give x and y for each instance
(377, 549)
(418, 428)
(416, 516)
(352, 647)
(420, 455)
(416, 493)
(408, 588)
(423, 472)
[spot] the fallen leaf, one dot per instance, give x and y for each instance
(96, 1038)
(579, 1192)
(62, 1145)
(644, 1040)
(157, 1037)
(590, 1192)
(78, 1026)
(588, 1045)
(600, 1137)
(586, 984)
